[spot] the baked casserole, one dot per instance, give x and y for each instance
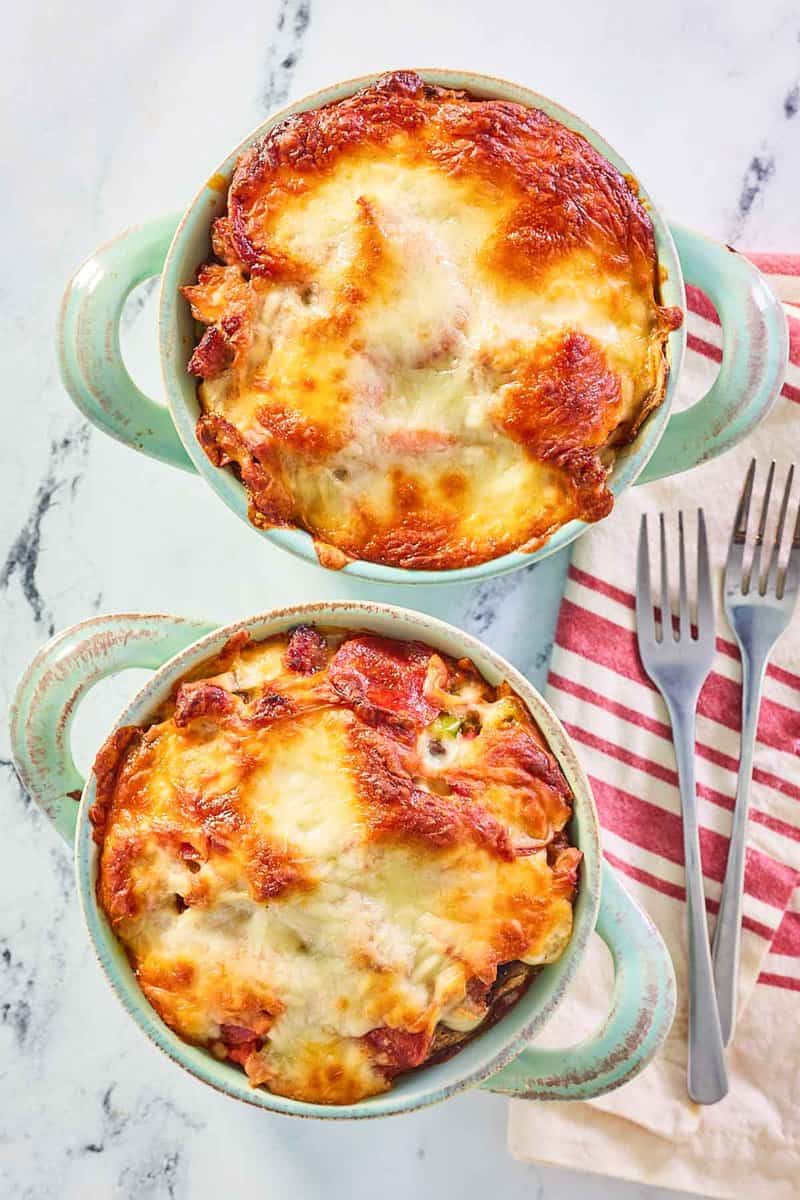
(431, 321)
(334, 857)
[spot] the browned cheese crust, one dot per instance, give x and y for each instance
(431, 321)
(331, 859)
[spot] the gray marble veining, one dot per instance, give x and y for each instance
(111, 116)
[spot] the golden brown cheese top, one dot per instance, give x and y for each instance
(323, 851)
(431, 320)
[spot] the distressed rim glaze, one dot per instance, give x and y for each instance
(181, 265)
(503, 1042)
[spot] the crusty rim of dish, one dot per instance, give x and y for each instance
(546, 988)
(184, 404)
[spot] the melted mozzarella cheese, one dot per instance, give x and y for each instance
(462, 328)
(261, 902)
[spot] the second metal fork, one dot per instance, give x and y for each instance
(759, 608)
(678, 666)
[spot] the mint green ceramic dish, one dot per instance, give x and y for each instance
(750, 377)
(499, 1059)
(753, 333)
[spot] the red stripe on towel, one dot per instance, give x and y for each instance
(660, 832)
(595, 584)
(609, 645)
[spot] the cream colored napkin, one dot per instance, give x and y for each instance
(649, 1130)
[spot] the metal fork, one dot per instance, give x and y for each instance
(678, 664)
(758, 607)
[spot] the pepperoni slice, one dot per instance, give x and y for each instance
(382, 680)
(237, 1035)
(240, 1042)
(396, 1050)
(271, 706)
(306, 650)
(201, 700)
(212, 355)
(565, 870)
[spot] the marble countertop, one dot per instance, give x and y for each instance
(108, 120)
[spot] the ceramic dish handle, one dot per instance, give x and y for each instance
(755, 345)
(89, 351)
(642, 1009)
(54, 684)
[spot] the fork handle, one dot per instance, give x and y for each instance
(727, 935)
(707, 1075)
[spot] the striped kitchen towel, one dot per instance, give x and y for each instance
(649, 1130)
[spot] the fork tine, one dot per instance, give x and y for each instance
(770, 580)
(684, 624)
(645, 624)
(754, 574)
(733, 564)
(705, 597)
(791, 576)
(666, 612)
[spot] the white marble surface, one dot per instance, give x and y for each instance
(115, 113)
